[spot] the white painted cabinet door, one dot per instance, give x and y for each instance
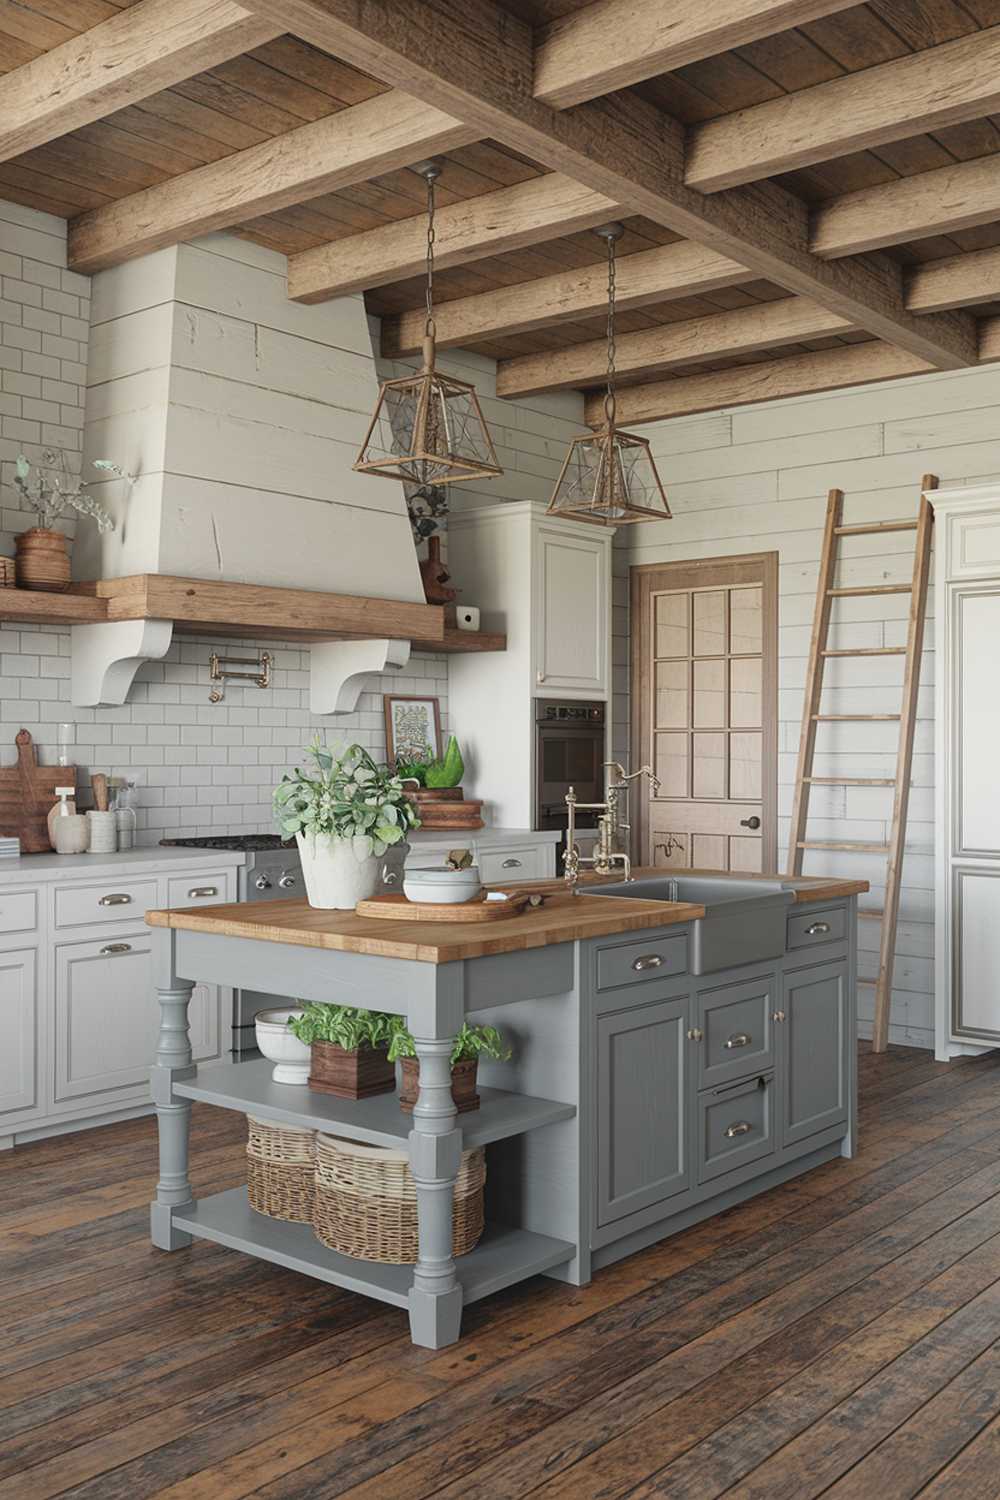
(572, 614)
(107, 1018)
(19, 1036)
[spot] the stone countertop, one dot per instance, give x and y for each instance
(563, 919)
(30, 869)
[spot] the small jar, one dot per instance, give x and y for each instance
(102, 836)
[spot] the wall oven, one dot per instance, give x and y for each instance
(570, 751)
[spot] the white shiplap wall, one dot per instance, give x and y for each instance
(754, 480)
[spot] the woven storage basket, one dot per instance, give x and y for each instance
(366, 1202)
(281, 1168)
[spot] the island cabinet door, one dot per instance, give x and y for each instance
(19, 1038)
(813, 1038)
(642, 1112)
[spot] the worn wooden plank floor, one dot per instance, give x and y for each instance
(837, 1336)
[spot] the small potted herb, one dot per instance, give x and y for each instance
(471, 1043)
(350, 1049)
(345, 812)
(49, 489)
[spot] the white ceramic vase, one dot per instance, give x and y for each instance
(336, 879)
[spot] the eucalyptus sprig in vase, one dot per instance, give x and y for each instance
(51, 490)
(345, 811)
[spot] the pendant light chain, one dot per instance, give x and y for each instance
(429, 293)
(609, 399)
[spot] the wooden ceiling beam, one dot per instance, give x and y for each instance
(647, 277)
(610, 44)
(960, 196)
(768, 325)
(492, 224)
(380, 135)
(924, 91)
(770, 380)
(956, 281)
(477, 64)
(126, 58)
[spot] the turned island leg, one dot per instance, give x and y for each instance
(173, 1115)
(435, 1157)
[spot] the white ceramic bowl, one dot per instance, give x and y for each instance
(281, 1046)
(441, 885)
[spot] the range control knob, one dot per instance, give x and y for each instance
(262, 883)
(286, 880)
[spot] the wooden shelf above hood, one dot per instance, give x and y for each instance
(208, 607)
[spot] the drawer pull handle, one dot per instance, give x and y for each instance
(817, 928)
(511, 864)
(119, 898)
(647, 961)
(202, 890)
(110, 949)
(741, 1127)
(777, 1015)
(741, 1039)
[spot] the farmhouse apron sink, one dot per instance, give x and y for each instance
(744, 920)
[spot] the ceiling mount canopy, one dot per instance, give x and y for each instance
(428, 428)
(609, 477)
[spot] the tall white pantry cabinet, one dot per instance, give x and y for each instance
(967, 712)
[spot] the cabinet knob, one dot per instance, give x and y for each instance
(817, 928)
(117, 898)
(110, 949)
(695, 1034)
(741, 1039)
(753, 822)
(777, 1015)
(262, 883)
(286, 881)
(647, 961)
(739, 1127)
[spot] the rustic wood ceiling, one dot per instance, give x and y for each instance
(140, 135)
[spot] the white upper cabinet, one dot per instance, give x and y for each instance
(572, 612)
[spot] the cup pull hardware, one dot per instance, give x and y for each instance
(647, 961)
(739, 1127)
(110, 949)
(695, 1034)
(202, 890)
(817, 928)
(117, 898)
(741, 1039)
(511, 864)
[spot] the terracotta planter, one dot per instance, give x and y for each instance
(463, 1083)
(42, 560)
(351, 1075)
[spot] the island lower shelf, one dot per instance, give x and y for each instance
(503, 1257)
(249, 1088)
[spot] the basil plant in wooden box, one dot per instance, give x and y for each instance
(471, 1043)
(349, 1047)
(345, 811)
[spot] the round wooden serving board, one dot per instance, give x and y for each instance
(395, 907)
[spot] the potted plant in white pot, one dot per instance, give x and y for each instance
(49, 489)
(345, 812)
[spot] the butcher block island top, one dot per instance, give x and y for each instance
(563, 919)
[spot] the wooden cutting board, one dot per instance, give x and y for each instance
(27, 792)
(395, 907)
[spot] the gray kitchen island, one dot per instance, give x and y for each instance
(642, 1095)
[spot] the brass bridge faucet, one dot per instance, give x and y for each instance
(609, 825)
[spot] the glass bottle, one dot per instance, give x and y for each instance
(125, 815)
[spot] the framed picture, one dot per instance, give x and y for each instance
(412, 729)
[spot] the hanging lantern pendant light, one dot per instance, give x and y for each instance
(609, 477)
(428, 428)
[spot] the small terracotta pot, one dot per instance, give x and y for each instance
(463, 1083)
(351, 1075)
(42, 560)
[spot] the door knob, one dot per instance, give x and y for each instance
(750, 822)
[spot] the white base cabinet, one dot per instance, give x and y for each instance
(967, 821)
(78, 1015)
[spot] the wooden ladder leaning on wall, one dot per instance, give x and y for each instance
(819, 654)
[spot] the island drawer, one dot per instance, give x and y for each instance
(735, 1126)
(202, 889)
(737, 1033)
(18, 911)
(635, 962)
(504, 865)
(810, 929)
(80, 905)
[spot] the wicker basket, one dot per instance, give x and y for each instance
(366, 1202)
(281, 1168)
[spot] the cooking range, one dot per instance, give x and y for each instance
(272, 872)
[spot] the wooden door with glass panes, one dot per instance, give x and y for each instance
(704, 713)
